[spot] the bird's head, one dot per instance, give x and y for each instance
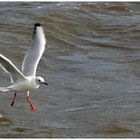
(40, 80)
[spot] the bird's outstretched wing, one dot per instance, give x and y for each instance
(10, 68)
(32, 57)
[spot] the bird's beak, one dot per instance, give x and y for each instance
(45, 83)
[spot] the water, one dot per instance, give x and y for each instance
(92, 65)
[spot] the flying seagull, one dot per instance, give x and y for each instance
(26, 80)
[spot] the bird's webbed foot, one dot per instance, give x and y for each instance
(32, 107)
(14, 99)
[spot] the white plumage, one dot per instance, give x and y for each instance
(26, 80)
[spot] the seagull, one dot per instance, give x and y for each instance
(26, 80)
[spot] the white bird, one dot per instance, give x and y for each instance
(26, 80)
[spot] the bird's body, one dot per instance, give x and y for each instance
(26, 85)
(26, 80)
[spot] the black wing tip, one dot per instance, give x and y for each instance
(37, 25)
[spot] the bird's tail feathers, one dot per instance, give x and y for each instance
(4, 89)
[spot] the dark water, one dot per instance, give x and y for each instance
(92, 65)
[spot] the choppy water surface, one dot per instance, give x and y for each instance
(92, 65)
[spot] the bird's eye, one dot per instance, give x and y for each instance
(38, 80)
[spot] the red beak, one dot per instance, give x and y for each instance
(45, 83)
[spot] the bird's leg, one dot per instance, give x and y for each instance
(33, 107)
(14, 99)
